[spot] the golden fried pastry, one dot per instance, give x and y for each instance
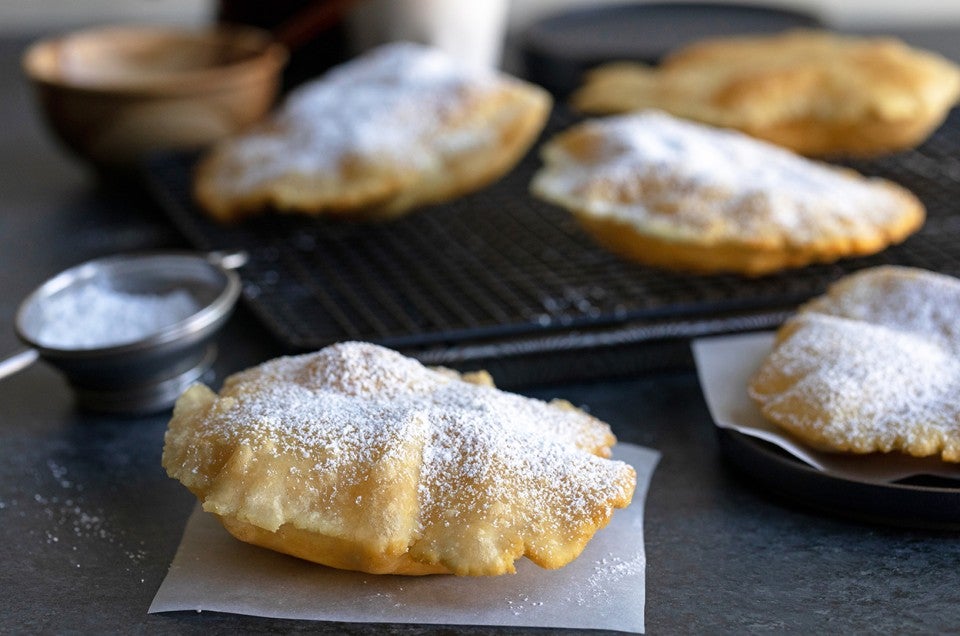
(681, 195)
(359, 458)
(399, 127)
(872, 366)
(814, 92)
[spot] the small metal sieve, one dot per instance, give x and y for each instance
(148, 374)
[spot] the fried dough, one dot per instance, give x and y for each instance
(680, 195)
(400, 127)
(359, 458)
(871, 366)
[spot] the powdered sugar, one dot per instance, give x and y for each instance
(752, 185)
(390, 103)
(94, 315)
(870, 377)
(903, 299)
(878, 362)
(351, 398)
(607, 572)
(386, 379)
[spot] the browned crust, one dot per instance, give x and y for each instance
(330, 551)
(865, 138)
(742, 257)
(814, 92)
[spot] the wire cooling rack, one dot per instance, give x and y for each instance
(500, 274)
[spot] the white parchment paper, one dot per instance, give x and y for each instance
(725, 365)
(604, 588)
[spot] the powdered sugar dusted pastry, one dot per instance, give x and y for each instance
(359, 458)
(401, 126)
(681, 195)
(872, 366)
(814, 92)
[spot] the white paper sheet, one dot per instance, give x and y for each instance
(604, 588)
(725, 365)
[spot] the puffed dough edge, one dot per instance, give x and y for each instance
(739, 257)
(397, 558)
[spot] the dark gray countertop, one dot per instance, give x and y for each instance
(89, 522)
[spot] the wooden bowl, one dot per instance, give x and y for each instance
(113, 94)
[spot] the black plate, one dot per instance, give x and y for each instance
(557, 50)
(921, 502)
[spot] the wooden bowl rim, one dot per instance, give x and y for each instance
(266, 59)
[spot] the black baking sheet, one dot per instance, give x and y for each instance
(499, 270)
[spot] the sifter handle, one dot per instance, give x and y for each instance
(18, 362)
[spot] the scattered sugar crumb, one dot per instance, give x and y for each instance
(72, 522)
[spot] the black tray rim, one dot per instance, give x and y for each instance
(786, 16)
(893, 504)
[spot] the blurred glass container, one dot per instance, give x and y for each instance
(323, 33)
(471, 31)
